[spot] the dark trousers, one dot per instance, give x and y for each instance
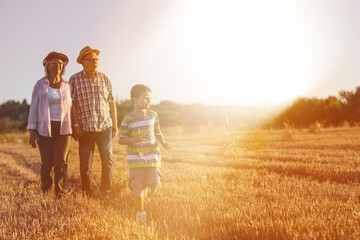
(54, 152)
(86, 152)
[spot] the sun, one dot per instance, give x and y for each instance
(228, 52)
(252, 53)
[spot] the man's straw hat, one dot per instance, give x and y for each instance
(85, 51)
(54, 54)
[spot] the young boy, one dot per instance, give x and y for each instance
(140, 130)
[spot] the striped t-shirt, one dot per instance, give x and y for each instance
(147, 154)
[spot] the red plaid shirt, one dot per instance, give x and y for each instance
(92, 98)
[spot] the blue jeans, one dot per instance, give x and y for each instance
(86, 152)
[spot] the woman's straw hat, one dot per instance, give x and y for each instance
(85, 51)
(54, 54)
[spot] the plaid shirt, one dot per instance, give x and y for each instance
(92, 98)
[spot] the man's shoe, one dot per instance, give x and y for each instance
(106, 193)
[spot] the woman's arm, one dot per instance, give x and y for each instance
(33, 112)
(33, 118)
(33, 138)
(75, 122)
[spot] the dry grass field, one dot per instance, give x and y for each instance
(236, 185)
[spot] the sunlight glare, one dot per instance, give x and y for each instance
(252, 51)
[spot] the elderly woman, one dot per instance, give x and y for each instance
(49, 122)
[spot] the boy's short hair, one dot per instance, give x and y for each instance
(139, 89)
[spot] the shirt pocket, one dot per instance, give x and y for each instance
(84, 93)
(103, 92)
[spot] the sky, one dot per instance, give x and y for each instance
(214, 52)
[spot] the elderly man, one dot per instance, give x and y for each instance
(94, 119)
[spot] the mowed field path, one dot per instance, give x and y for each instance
(260, 184)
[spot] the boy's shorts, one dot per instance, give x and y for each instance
(140, 178)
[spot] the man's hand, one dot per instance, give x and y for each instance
(77, 133)
(113, 115)
(34, 137)
(114, 131)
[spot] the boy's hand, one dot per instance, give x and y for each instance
(139, 139)
(167, 146)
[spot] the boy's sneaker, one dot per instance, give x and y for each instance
(141, 217)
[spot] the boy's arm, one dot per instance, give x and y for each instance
(125, 141)
(165, 144)
(159, 135)
(138, 139)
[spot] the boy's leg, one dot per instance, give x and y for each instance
(137, 184)
(153, 178)
(139, 204)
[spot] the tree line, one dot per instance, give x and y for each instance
(14, 114)
(331, 111)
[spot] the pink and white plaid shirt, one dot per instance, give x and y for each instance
(92, 99)
(39, 114)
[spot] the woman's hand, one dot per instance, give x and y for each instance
(34, 137)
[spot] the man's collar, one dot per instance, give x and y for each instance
(85, 74)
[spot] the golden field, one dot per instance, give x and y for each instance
(260, 184)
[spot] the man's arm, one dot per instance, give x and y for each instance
(113, 115)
